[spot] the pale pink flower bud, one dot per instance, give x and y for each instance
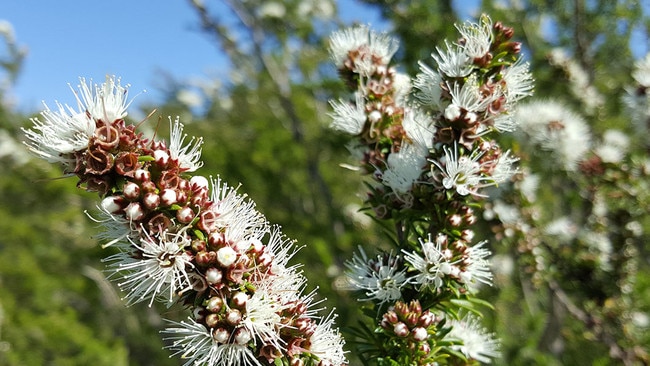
(131, 190)
(214, 305)
(401, 330)
(420, 334)
(452, 112)
(185, 215)
(133, 212)
(455, 220)
(427, 318)
(151, 200)
(142, 175)
(239, 299)
(226, 256)
(161, 157)
(220, 335)
(168, 197)
(233, 317)
(212, 320)
(467, 235)
(199, 182)
(374, 116)
(242, 336)
(213, 275)
(112, 204)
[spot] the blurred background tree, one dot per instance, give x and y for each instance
(266, 127)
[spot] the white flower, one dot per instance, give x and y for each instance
(401, 88)
(193, 342)
(60, 134)
(370, 46)
(188, 156)
(477, 38)
(380, 278)
(519, 82)
(614, 146)
(161, 269)
(555, 128)
(563, 228)
(419, 127)
(404, 167)
(262, 318)
(469, 97)
(462, 173)
(431, 268)
(349, 117)
(106, 103)
(234, 213)
(641, 71)
(327, 343)
(477, 266)
(477, 343)
(453, 63)
(428, 84)
(503, 169)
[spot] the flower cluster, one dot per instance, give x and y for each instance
(187, 239)
(426, 144)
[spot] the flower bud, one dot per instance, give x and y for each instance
(151, 200)
(213, 275)
(198, 245)
(112, 204)
(131, 190)
(420, 334)
(226, 256)
(199, 182)
(142, 175)
(401, 330)
(212, 320)
(133, 212)
(168, 197)
(427, 318)
(239, 299)
(233, 317)
(455, 220)
(161, 157)
(242, 336)
(214, 304)
(220, 335)
(185, 215)
(452, 112)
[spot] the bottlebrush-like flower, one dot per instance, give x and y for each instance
(362, 48)
(327, 343)
(347, 117)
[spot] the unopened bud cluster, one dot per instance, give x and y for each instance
(409, 325)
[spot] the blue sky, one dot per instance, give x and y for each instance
(135, 40)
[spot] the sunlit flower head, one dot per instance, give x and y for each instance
(478, 344)
(160, 269)
(59, 134)
(381, 278)
(194, 343)
(519, 82)
(188, 156)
